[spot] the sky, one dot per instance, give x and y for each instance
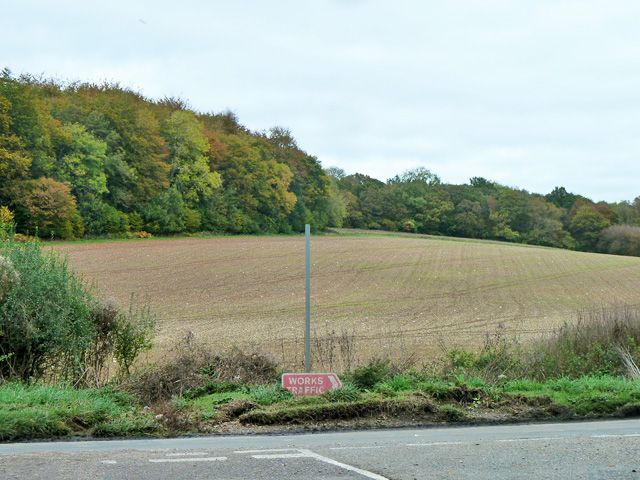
(532, 94)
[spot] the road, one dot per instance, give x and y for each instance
(598, 450)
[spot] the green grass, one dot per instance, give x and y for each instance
(586, 396)
(44, 411)
(209, 403)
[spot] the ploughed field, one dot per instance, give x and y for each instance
(388, 293)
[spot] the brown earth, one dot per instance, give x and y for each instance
(389, 293)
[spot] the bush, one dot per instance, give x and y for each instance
(52, 326)
(348, 393)
(9, 277)
(45, 320)
(367, 376)
(398, 383)
(194, 367)
(134, 331)
(268, 394)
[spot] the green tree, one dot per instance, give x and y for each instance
(166, 213)
(188, 148)
(15, 163)
(258, 186)
(47, 207)
(586, 226)
(81, 162)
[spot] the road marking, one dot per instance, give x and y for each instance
(344, 466)
(268, 450)
(109, 462)
(364, 447)
(186, 454)
(304, 453)
(617, 436)
(433, 444)
(198, 459)
(533, 439)
(280, 455)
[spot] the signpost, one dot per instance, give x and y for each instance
(307, 302)
(307, 384)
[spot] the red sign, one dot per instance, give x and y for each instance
(303, 384)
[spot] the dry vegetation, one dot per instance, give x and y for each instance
(384, 293)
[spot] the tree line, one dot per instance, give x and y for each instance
(418, 201)
(87, 159)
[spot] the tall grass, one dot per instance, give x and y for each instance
(44, 411)
(604, 340)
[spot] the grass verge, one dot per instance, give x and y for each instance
(45, 411)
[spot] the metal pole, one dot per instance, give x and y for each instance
(307, 325)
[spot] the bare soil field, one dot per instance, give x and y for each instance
(390, 293)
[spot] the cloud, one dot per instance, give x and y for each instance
(532, 94)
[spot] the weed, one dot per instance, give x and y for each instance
(398, 383)
(268, 394)
(367, 376)
(348, 393)
(452, 413)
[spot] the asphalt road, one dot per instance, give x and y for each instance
(598, 450)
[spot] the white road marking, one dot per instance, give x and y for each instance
(109, 462)
(280, 455)
(304, 453)
(268, 450)
(198, 459)
(186, 454)
(533, 439)
(433, 444)
(364, 447)
(617, 436)
(351, 468)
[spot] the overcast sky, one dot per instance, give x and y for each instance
(532, 94)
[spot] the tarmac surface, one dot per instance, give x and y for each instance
(580, 450)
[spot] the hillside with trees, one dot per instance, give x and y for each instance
(102, 160)
(417, 201)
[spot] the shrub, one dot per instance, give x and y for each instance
(348, 393)
(268, 394)
(46, 319)
(9, 277)
(367, 376)
(398, 383)
(134, 331)
(53, 326)
(192, 367)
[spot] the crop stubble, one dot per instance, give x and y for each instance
(392, 292)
